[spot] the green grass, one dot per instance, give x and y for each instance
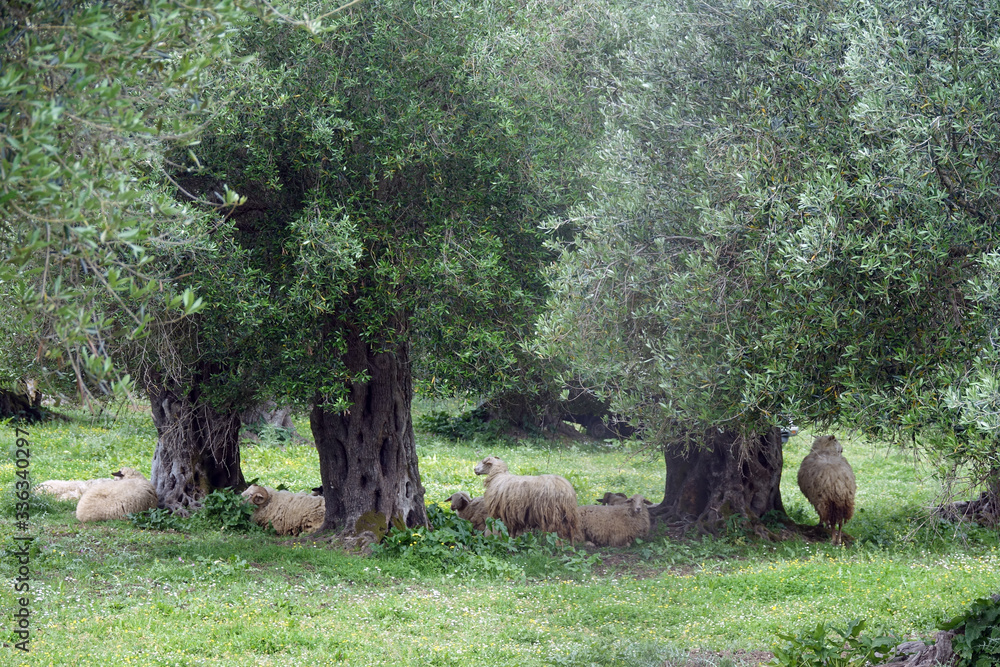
(110, 594)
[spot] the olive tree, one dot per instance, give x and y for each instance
(791, 209)
(101, 258)
(395, 169)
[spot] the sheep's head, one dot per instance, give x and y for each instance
(636, 503)
(613, 499)
(128, 473)
(490, 465)
(827, 444)
(256, 494)
(460, 500)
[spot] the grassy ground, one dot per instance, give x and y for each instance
(110, 594)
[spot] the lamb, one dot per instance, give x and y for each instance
(467, 507)
(289, 513)
(827, 481)
(116, 498)
(615, 525)
(527, 502)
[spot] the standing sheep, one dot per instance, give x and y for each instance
(128, 493)
(827, 481)
(467, 507)
(289, 513)
(615, 525)
(526, 502)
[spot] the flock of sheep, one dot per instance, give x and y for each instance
(545, 503)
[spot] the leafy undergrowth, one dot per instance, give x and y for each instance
(195, 594)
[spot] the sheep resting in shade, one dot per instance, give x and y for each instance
(128, 493)
(467, 507)
(827, 481)
(73, 489)
(615, 525)
(67, 489)
(289, 513)
(530, 502)
(610, 498)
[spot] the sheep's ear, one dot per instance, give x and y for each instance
(118, 473)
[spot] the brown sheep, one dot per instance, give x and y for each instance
(530, 502)
(610, 498)
(615, 525)
(289, 513)
(827, 481)
(467, 507)
(128, 493)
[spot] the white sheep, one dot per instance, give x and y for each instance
(827, 481)
(67, 489)
(289, 513)
(617, 524)
(530, 502)
(73, 489)
(128, 493)
(467, 507)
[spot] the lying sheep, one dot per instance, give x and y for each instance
(826, 479)
(529, 502)
(610, 498)
(128, 493)
(289, 513)
(467, 507)
(615, 525)
(73, 489)
(67, 489)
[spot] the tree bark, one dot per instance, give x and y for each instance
(20, 407)
(368, 454)
(197, 449)
(713, 481)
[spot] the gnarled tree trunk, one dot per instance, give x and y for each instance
(368, 454)
(197, 449)
(714, 482)
(20, 407)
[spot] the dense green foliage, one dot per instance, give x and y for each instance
(91, 94)
(978, 644)
(796, 218)
(222, 509)
(451, 545)
(824, 646)
(396, 168)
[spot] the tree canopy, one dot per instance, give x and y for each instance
(796, 220)
(395, 168)
(91, 95)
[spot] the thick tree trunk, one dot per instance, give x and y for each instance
(714, 482)
(368, 454)
(197, 449)
(20, 407)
